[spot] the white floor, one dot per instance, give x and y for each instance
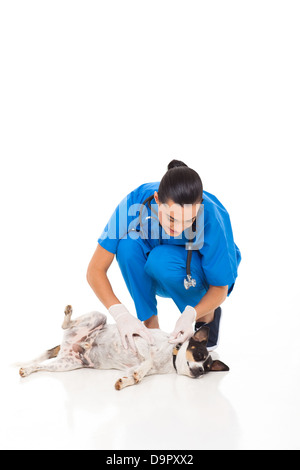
(254, 406)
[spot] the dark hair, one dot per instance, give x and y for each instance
(180, 184)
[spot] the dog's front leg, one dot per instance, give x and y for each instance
(125, 382)
(135, 375)
(141, 371)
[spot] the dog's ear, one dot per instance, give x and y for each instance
(218, 366)
(202, 334)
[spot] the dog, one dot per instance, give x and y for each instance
(89, 342)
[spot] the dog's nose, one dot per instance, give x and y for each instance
(197, 372)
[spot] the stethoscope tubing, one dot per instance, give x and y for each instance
(188, 281)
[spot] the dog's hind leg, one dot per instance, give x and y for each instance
(50, 354)
(60, 365)
(90, 320)
(68, 315)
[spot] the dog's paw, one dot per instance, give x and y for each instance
(119, 384)
(67, 320)
(23, 373)
(68, 310)
(136, 377)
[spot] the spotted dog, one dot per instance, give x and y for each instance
(89, 342)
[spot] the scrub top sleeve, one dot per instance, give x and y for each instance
(124, 218)
(220, 256)
(106, 240)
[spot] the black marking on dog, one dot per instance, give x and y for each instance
(197, 350)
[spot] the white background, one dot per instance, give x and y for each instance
(95, 99)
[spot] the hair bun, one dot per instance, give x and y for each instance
(175, 164)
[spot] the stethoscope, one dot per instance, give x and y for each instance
(188, 281)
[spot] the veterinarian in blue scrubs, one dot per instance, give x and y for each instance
(150, 233)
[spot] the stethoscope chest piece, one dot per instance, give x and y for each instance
(189, 282)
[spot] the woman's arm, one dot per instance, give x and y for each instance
(213, 298)
(97, 276)
(128, 325)
(204, 312)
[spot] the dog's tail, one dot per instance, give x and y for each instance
(50, 354)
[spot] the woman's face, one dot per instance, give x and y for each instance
(174, 218)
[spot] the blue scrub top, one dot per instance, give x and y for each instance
(220, 257)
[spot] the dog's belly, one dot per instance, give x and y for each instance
(107, 351)
(99, 346)
(79, 338)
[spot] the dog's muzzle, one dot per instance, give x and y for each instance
(196, 371)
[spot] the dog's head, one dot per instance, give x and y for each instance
(193, 358)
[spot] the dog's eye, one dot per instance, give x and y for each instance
(198, 357)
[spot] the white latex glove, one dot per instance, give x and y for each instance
(184, 328)
(128, 326)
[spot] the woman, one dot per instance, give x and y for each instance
(170, 239)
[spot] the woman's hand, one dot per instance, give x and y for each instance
(128, 326)
(184, 328)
